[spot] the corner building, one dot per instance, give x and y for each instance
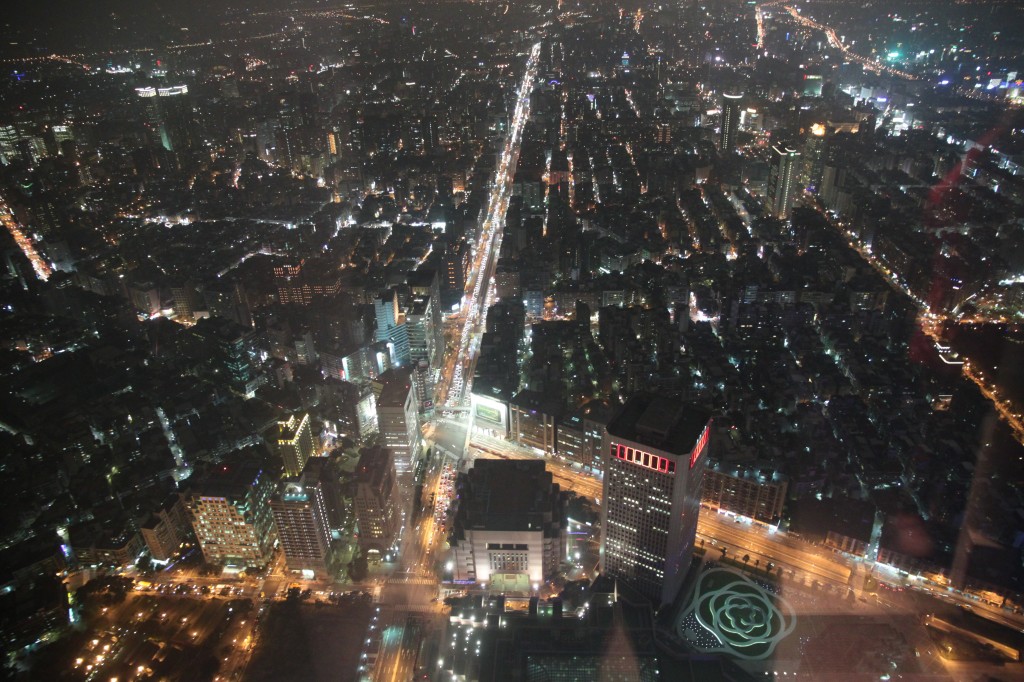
(231, 515)
(656, 453)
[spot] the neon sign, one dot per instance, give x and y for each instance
(702, 443)
(662, 465)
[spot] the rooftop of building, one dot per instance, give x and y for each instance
(538, 401)
(667, 424)
(288, 430)
(221, 328)
(597, 411)
(231, 480)
(612, 638)
(395, 387)
(510, 495)
(373, 465)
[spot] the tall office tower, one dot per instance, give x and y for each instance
(228, 349)
(391, 327)
(323, 472)
(168, 116)
(374, 500)
(231, 516)
(730, 123)
(656, 449)
(423, 388)
(9, 137)
(228, 299)
(398, 419)
(425, 284)
(295, 443)
(813, 159)
(62, 134)
(300, 514)
(783, 181)
(419, 319)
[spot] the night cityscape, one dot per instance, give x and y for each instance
(479, 340)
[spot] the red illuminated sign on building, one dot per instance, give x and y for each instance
(702, 443)
(662, 465)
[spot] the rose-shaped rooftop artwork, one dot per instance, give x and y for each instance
(743, 618)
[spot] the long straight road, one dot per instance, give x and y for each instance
(24, 242)
(455, 389)
(779, 548)
(410, 617)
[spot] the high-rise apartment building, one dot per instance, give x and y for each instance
(656, 449)
(783, 180)
(295, 443)
(300, 514)
(731, 111)
(374, 500)
(231, 516)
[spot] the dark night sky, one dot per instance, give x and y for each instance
(97, 24)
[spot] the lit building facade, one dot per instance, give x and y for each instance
(534, 415)
(303, 283)
(783, 180)
(392, 328)
(166, 529)
(748, 494)
(374, 500)
(731, 111)
(295, 443)
(168, 115)
(231, 515)
(300, 514)
(511, 522)
(656, 452)
(398, 419)
(580, 435)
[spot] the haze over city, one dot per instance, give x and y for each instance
(522, 341)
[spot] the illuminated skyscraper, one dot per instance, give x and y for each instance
(814, 158)
(168, 115)
(783, 180)
(295, 443)
(656, 449)
(730, 123)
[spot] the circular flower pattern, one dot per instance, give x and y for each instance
(745, 620)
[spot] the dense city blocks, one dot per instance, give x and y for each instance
(480, 340)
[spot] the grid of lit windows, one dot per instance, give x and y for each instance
(638, 523)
